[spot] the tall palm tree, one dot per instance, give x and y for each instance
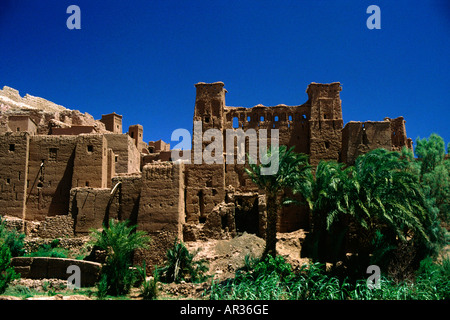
(292, 167)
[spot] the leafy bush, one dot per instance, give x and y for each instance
(435, 278)
(13, 239)
(256, 268)
(50, 250)
(102, 287)
(119, 240)
(181, 266)
(149, 288)
(7, 273)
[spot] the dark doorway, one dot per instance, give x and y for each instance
(246, 215)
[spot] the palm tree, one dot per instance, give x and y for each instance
(327, 196)
(378, 195)
(292, 167)
(119, 240)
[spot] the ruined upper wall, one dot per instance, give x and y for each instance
(313, 127)
(325, 125)
(361, 137)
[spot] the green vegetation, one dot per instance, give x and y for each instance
(50, 250)
(291, 168)
(435, 174)
(388, 209)
(181, 266)
(379, 202)
(149, 288)
(120, 241)
(12, 239)
(7, 273)
(273, 279)
(11, 244)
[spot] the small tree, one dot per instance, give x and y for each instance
(435, 173)
(119, 240)
(292, 166)
(7, 273)
(430, 151)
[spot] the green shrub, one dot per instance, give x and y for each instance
(149, 288)
(434, 278)
(13, 239)
(7, 273)
(267, 266)
(50, 250)
(119, 240)
(181, 266)
(102, 287)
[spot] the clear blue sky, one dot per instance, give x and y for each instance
(141, 58)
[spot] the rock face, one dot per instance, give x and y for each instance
(43, 113)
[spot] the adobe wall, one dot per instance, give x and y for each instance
(158, 146)
(112, 122)
(73, 130)
(92, 207)
(161, 209)
(49, 186)
(291, 121)
(128, 156)
(136, 132)
(49, 268)
(127, 195)
(89, 207)
(111, 167)
(398, 134)
(56, 227)
(361, 137)
(90, 162)
(13, 173)
(158, 156)
(205, 188)
(21, 123)
(325, 123)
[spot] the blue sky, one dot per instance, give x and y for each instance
(141, 58)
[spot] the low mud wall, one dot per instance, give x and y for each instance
(56, 268)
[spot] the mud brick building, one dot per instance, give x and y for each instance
(60, 162)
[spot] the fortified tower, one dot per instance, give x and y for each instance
(325, 123)
(113, 122)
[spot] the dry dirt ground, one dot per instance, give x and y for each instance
(224, 257)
